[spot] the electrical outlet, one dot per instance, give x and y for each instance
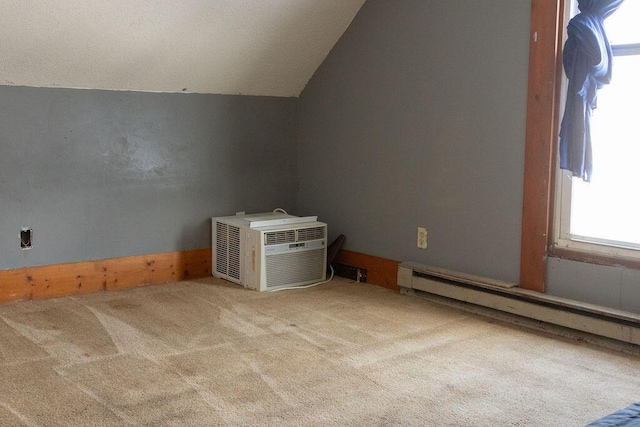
(422, 238)
(26, 238)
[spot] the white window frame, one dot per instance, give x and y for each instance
(563, 238)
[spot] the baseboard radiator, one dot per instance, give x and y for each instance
(508, 297)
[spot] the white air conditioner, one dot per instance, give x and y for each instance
(269, 251)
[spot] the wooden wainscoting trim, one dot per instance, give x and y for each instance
(50, 281)
(380, 271)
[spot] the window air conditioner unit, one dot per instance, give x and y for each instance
(270, 250)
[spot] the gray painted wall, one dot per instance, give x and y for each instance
(101, 174)
(417, 118)
(614, 286)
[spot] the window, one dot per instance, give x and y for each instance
(603, 216)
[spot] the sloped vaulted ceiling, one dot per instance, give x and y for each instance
(249, 47)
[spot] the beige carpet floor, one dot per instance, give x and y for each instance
(206, 352)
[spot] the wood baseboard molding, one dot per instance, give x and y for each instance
(380, 271)
(51, 281)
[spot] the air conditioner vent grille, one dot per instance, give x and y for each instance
(292, 236)
(306, 234)
(234, 252)
(222, 248)
(279, 237)
(228, 250)
(295, 267)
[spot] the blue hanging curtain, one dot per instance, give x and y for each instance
(587, 59)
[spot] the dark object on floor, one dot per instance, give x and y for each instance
(627, 417)
(333, 249)
(349, 272)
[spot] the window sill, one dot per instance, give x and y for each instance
(592, 258)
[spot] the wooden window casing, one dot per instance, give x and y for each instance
(543, 102)
(543, 109)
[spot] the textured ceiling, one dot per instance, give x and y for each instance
(249, 47)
